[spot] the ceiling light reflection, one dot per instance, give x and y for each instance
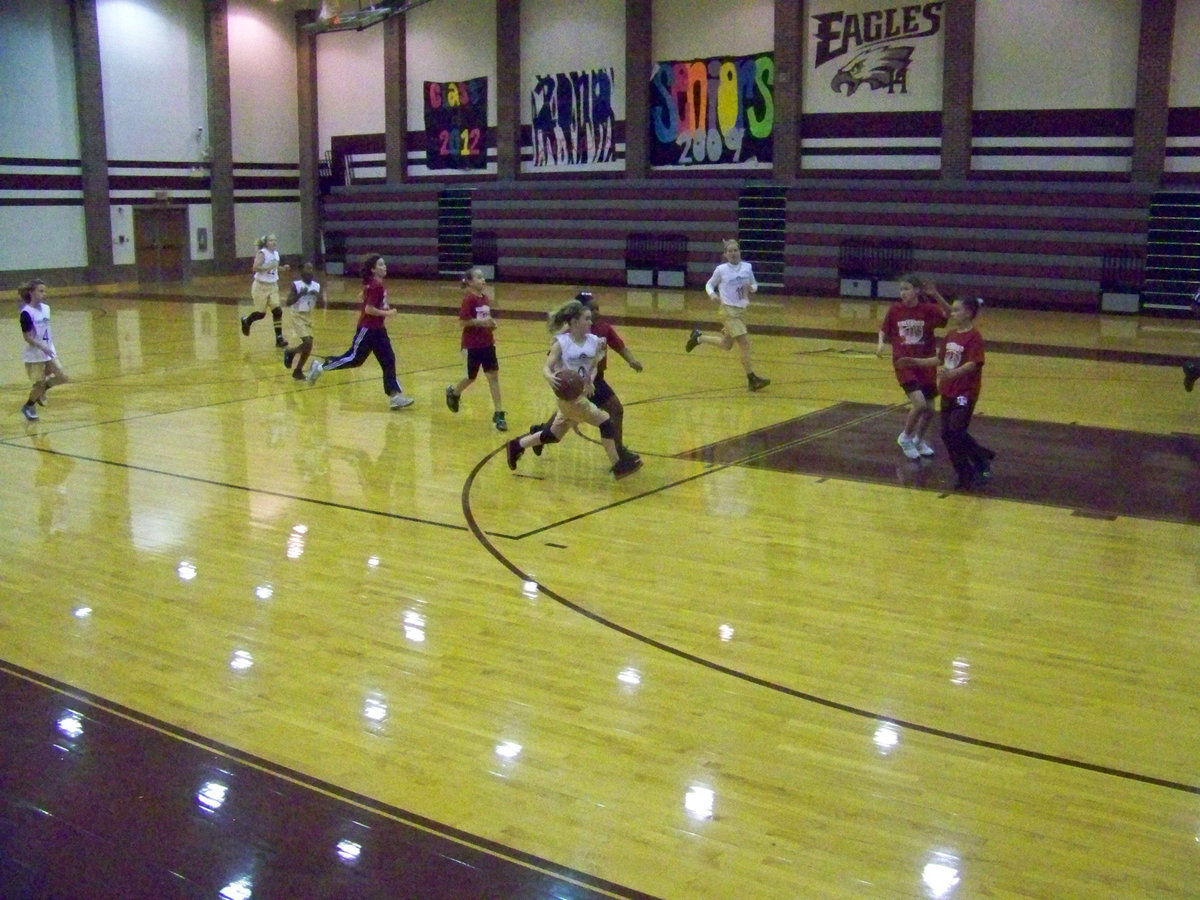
(630, 676)
(725, 632)
(961, 670)
(414, 626)
(699, 801)
(264, 592)
(348, 851)
(82, 612)
(295, 543)
(375, 709)
(211, 795)
(529, 589)
(508, 749)
(70, 724)
(940, 875)
(186, 570)
(237, 890)
(372, 562)
(887, 737)
(241, 661)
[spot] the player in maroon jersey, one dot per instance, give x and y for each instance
(478, 344)
(959, 378)
(908, 326)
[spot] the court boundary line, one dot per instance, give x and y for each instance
(196, 479)
(777, 687)
(529, 861)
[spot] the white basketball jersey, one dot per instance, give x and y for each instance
(40, 314)
(270, 258)
(308, 293)
(581, 357)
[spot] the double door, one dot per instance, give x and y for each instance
(160, 242)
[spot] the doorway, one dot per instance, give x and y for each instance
(160, 243)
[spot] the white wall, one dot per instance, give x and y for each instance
(1056, 54)
(350, 83)
(450, 40)
(154, 78)
(38, 122)
(567, 36)
(262, 75)
(692, 29)
(1185, 60)
(255, 219)
(264, 108)
(37, 104)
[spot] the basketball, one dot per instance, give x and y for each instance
(568, 385)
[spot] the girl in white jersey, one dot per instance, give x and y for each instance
(732, 283)
(264, 289)
(41, 360)
(306, 293)
(578, 350)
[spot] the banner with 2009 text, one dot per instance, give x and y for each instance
(714, 112)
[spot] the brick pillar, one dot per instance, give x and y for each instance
(309, 135)
(220, 130)
(639, 33)
(93, 147)
(1150, 105)
(395, 98)
(789, 39)
(508, 89)
(958, 88)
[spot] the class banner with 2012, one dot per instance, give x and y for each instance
(718, 111)
(456, 124)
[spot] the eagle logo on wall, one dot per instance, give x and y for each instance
(885, 66)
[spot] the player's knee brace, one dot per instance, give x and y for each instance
(277, 314)
(608, 430)
(548, 436)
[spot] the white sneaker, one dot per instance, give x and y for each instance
(399, 401)
(924, 449)
(908, 446)
(314, 372)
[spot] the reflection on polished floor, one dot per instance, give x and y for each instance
(266, 639)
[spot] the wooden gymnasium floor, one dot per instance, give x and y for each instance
(261, 639)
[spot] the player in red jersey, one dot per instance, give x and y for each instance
(960, 378)
(908, 326)
(478, 345)
(371, 336)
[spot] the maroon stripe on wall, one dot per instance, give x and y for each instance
(1053, 123)
(31, 182)
(155, 164)
(992, 220)
(36, 161)
(874, 125)
(1032, 175)
(250, 182)
(1182, 121)
(981, 196)
(158, 182)
(802, 242)
(341, 144)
